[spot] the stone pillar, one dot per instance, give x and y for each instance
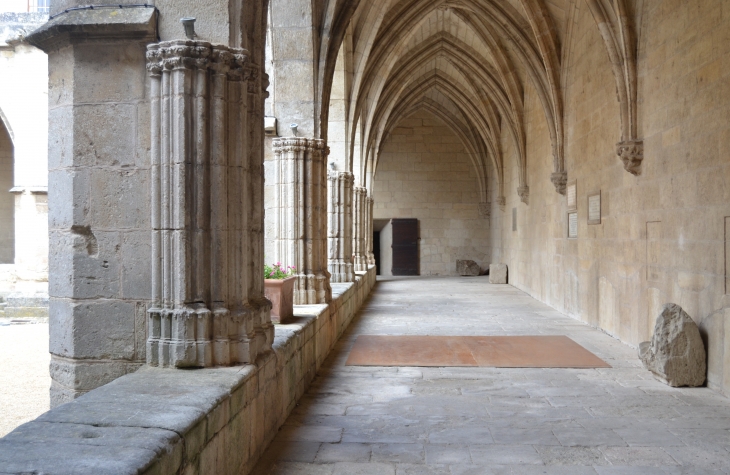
(339, 228)
(98, 194)
(359, 245)
(30, 294)
(205, 312)
(301, 216)
(369, 230)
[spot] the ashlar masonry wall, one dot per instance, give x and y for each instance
(665, 234)
(424, 172)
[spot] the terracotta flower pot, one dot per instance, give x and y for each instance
(281, 294)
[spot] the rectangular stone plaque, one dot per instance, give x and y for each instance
(514, 219)
(594, 208)
(727, 255)
(571, 193)
(572, 225)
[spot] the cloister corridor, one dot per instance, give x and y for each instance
(459, 421)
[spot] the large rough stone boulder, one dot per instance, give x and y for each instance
(497, 273)
(676, 353)
(468, 268)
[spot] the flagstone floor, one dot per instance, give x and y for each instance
(469, 421)
(24, 377)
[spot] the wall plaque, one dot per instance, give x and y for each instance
(572, 225)
(727, 254)
(594, 208)
(514, 219)
(571, 193)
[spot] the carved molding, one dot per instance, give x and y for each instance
(524, 193)
(560, 181)
(208, 304)
(632, 154)
(619, 32)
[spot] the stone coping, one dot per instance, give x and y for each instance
(96, 24)
(157, 420)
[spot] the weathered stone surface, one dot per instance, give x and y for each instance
(340, 226)
(300, 172)
(676, 354)
(133, 24)
(160, 421)
(497, 273)
(468, 268)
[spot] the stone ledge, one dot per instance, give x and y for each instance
(207, 421)
(131, 24)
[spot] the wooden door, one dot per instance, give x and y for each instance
(405, 247)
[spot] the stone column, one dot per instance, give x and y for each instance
(369, 230)
(205, 183)
(339, 228)
(98, 191)
(359, 229)
(301, 216)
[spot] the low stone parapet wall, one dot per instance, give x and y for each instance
(206, 421)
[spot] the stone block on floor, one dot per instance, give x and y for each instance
(676, 353)
(468, 268)
(498, 273)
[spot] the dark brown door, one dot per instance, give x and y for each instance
(405, 247)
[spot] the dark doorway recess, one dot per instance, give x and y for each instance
(405, 247)
(376, 251)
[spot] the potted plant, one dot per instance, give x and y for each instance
(279, 288)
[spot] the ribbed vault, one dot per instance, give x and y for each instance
(469, 62)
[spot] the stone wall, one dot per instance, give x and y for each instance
(24, 112)
(424, 172)
(210, 421)
(663, 236)
(7, 202)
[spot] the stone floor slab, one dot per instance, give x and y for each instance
(484, 421)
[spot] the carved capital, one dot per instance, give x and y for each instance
(346, 177)
(316, 147)
(154, 60)
(176, 54)
(560, 180)
(290, 144)
(524, 193)
(632, 154)
(222, 60)
(502, 202)
(250, 72)
(485, 210)
(185, 54)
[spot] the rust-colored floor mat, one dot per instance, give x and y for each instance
(486, 351)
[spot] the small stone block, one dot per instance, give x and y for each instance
(498, 273)
(468, 268)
